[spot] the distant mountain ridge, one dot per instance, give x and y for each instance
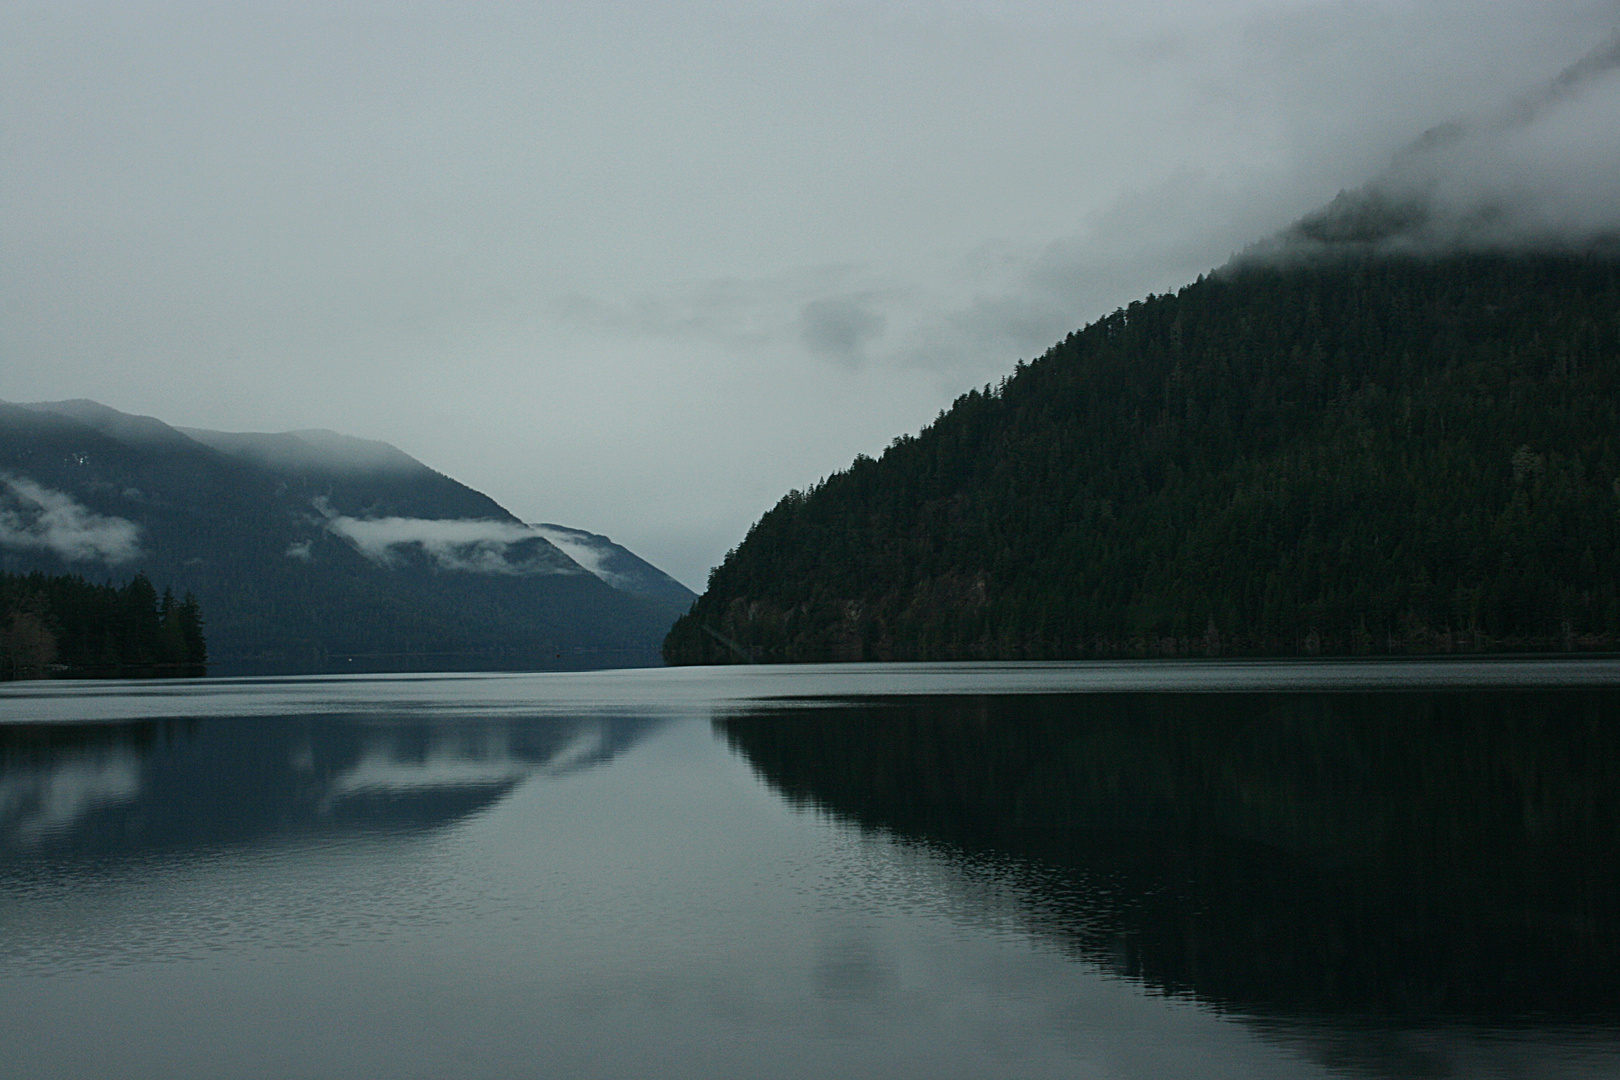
(309, 549)
(311, 450)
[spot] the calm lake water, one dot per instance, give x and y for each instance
(1402, 869)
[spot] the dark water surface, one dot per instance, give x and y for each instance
(1113, 870)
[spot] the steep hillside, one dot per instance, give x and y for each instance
(619, 566)
(1346, 454)
(304, 549)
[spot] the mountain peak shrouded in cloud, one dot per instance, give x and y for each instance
(312, 449)
(308, 550)
(481, 537)
(144, 431)
(1541, 174)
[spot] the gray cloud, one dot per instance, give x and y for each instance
(35, 517)
(725, 310)
(839, 328)
(37, 800)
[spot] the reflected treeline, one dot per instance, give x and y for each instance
(1414, 855)
(132, 789)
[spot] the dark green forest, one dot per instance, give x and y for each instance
(1362, 454)
(65, 625)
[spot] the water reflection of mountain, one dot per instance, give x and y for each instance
(1418, 856)
(131, 789)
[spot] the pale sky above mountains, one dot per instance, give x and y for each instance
(642, 268)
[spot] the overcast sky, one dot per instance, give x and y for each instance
(640, 268)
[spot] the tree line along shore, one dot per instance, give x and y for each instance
(65, 625)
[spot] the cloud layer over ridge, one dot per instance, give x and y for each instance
(480, 547)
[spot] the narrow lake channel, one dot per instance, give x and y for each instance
(1220, 869)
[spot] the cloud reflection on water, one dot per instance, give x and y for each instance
(990, 885)
(120, 790)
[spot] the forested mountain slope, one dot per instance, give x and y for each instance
(306, 550)
(1342, 454)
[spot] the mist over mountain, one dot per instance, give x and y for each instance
(311, 451)
(306, 549)
(1531, 177)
